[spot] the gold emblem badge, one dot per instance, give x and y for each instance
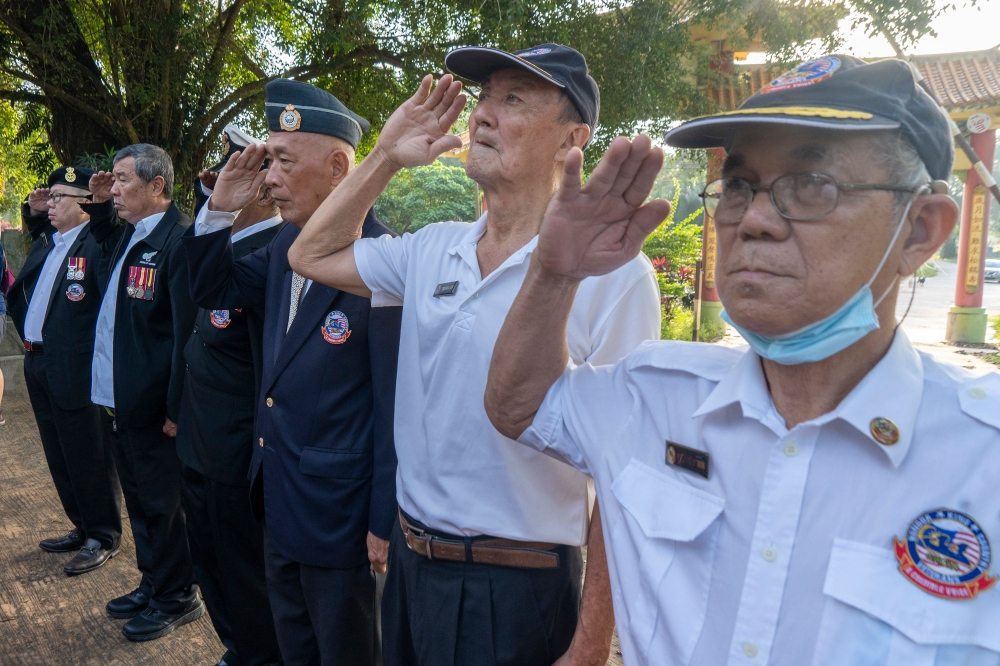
(70, 175)
(290, 119)
(884, 431)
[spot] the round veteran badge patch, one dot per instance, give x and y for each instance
(805, 74)
(336, 329)
(220, 318)
(75, 292)
(947, 554)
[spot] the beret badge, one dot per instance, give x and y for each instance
(70, 175)
(290, 119)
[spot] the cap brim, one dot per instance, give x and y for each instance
(717, 131)
(476, 63)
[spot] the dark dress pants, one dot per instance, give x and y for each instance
(440, 613)
(150, 474)
(227, 551)
(79, 459)
(324, 617)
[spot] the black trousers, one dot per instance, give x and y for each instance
(150, 474)
(324, 617)
(79, 459)
(227, 552)
(440, 613)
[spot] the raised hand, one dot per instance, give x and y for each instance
(417, 132)
(208, 179)
(100, 186)
(240, 180)
(594, 229)
(38, 200)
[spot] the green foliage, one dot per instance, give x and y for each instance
(928, 269)
(677, 326)
(434, 193)
(902, 22)
(995, 323)
(25, 158)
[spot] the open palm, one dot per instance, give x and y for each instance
(595, 228)
(417, 132)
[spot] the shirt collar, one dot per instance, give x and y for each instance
(466, 246)
(254, 228)
(145, 226)
(891, 390)
(70, 236)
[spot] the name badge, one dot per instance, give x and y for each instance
(446, 289)
(688, 459)
(141, 282)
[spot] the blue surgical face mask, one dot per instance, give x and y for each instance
(822, 339)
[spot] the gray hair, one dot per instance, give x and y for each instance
(902, 162)
(150, 161)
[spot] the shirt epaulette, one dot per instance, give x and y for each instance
(708, 361)
(980, 398)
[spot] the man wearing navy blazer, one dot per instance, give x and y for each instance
(323, 471)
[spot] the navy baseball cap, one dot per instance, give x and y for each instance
(294, 106)
(77, 177)
(841, 93)
(557, 64)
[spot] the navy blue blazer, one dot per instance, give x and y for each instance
(323, 472)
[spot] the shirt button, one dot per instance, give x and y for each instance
(769, 554)
(977, 393)
(261, 441)
(791, 449)
(269, 402)
(749, 649)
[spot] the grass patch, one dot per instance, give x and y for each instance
(678, 327)
(995, 323)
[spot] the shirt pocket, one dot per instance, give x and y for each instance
(664, 547)
(874, 616)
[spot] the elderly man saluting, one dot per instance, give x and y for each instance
(484, 563)
(828, 496)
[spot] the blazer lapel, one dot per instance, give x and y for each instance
(307, 322)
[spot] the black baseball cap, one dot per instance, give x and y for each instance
(77, 177)
(557, 64)
(842, 93)
(295, 106)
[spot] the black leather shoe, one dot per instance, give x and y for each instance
(64, 544)
(128, 605)
(151, 624)
(90, 557)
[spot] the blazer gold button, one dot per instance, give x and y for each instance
(261, 441)
(269, 402)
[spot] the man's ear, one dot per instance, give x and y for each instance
(158, 183)
(340, 166)
(932, 218)
(575, 138)
(265, 200)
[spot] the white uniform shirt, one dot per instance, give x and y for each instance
(785, 555)
(51, 270)
(102, 381)
(456, 473)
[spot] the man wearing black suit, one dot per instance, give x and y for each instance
(54, 303)
(323, 471)
(215, 443)
(138, 375)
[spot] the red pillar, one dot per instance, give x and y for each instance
(972, 235)
(710, 308)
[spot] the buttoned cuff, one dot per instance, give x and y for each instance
(380, 299)
(212, 220)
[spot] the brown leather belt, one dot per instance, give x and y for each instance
(479, 550)
(30, 346)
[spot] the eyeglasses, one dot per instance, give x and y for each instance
(796, 196)
(56, 197)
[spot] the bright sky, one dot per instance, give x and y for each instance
(962, 29)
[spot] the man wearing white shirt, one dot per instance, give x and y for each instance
(485, 561)
(828, 496)
(54, 303)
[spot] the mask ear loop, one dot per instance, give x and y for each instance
(888, 251)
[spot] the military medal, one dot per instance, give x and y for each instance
(336, 329)
(140, 282)
(70, 175)
(290, 119)
(76, 268)
(947, 554)
(75, 292)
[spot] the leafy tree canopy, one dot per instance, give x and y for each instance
(434, 193)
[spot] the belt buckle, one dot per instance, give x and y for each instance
(421, 535)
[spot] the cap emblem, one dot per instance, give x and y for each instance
(290, 119)
(805, 74)
(533, 52)
(70, 175)
(224, 138)
(947, 554)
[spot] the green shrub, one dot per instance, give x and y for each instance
(995, 322)
(677, 325)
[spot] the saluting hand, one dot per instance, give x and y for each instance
(208, 179)
(38, 200)
(100, 186)
(594, 229)
(240, 180)
(417, 132)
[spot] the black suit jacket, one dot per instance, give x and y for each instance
(149, 334)
(222, 379)
(324, 464)
(71, 314)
